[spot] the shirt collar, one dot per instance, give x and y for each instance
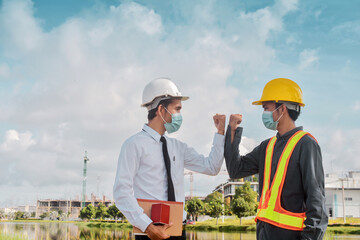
(288, 134)
(154, 134)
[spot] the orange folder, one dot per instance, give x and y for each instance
(176, 215)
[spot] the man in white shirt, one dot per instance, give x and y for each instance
(151, 164)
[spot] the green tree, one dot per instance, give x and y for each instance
(194, 207)
(214, 196)
(88, 212)
(114, 212)
(244, 203)
(54, 215)
(19, 215)
(214, 205)
(215, 209)
(44, 215)
(2, 214)
(101, 211)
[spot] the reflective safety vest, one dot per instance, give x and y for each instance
(270, 209)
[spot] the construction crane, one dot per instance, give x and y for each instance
(191, 181)
(86, 159)
(191, 174)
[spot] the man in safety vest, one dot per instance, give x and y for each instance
(291, 175)
(151, 164)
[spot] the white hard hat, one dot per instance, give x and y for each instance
(160, 89)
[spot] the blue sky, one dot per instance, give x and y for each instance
(72, 74)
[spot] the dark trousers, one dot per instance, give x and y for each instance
(144, 237)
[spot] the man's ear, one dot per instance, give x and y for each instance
(284, 108)
(158, 111)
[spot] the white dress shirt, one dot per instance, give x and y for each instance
(141, 171)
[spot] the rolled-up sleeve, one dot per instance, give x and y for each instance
(210, 165)
(313, 181)
(125, 200)
(239, 166)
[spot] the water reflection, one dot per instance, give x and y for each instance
(71, 231)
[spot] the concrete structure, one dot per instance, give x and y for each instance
(343, 194)
(26, 208)
(72, 207)
(228, 188)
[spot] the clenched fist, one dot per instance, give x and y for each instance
(219, 120)
(235, 120)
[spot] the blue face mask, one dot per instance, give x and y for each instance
(268, 120)
(176, 120)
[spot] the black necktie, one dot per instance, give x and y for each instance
(171, 193)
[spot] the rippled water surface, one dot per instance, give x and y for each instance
(71, 231)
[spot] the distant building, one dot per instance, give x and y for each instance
(334, 185)
(229, 187)
(333, 192)
(26, 208)
(72, 207)
(187, 198)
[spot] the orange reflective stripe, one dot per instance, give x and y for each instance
(270, 209)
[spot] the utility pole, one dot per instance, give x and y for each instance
(98, 185)
(343, 198)
(86, 159)
(223, 199)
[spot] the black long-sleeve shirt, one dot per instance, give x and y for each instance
(303, 189)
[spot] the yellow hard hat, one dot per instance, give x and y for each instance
(281, 89)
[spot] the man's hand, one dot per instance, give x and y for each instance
(157, 232)
(219, 120)
(234, 122)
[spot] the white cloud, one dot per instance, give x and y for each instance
(16, 142)
(4, 70)
(84, 81)
(342, 151)
(348, 32)
(357, 106)
(308, 58)
(27, 35)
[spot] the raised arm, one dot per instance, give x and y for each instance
(238, 166)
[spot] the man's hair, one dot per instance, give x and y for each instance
(292, 113)
(165, 103)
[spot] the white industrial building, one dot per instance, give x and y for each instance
(343, 194)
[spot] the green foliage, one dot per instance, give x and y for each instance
(194, 207)
(115, 213)
(19, 215)
(88, 212)
(2, 214)
(101, 211)
(44, 215)
(215, 196)
(244, 203)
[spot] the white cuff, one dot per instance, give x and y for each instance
(219, 139)
(143, 222)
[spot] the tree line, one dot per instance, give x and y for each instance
(101, 212)
(243, 204)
